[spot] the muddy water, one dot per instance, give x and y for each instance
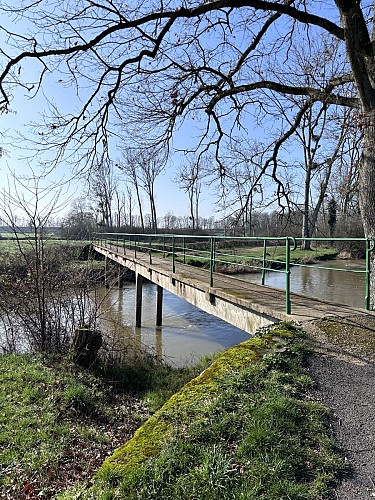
(187, 332)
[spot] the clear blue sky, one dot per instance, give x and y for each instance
(169, 197)
(26, 109)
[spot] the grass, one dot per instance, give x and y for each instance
(243, 429)
(245, 256)
(10, 245)
(58, 423)
(274, 253)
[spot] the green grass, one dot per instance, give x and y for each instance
(10, 245)
(242, 430)
(250, 256)
(58, 423)
(276, 253)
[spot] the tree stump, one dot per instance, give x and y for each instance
(85, 346)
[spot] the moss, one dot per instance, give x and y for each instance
(354, 334)
(147, 442)
(189, 403)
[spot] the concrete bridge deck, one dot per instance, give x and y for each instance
(244, 304)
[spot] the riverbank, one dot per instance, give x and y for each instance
(230, 430)
(240, 260)
(253, 421)
(58, 423)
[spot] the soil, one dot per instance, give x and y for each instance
(343, 365)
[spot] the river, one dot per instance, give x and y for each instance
(188, 333)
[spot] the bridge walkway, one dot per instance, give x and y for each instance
(228, 291)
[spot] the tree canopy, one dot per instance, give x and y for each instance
(142, 70)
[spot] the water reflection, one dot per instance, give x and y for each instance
(187, 332)
(341, 287)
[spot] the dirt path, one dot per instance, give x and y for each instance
(344, 369)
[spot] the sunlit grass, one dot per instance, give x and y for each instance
(256, 436)
(58, 422)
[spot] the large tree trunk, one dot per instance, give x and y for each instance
(306, 227)
(367, 189)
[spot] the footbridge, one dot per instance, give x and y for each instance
(205, 271)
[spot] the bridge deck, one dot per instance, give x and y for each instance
(261, 299)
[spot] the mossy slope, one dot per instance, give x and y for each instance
(190, 402)
(242, 429)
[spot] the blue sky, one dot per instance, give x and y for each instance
(169, 197)
(26, 109)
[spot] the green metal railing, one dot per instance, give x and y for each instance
(212, 251)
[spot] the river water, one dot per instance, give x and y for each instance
(188, 333)
(346, 286)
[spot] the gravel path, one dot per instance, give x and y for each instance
(346, 384)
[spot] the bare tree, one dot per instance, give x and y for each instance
(150, 65)
(242, 192)
(141, 168)
(102, 185)
(129, 166)
(318, 161)
(344, 184)
(130, 206)
(189, 179)
(151, 163)
(80, 222)
(35, 314)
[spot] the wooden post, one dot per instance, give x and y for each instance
(138, 299)
(85, 346)
(159, 305)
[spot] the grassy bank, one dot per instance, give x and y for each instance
(244, 259)
(243, 429)
(58, 423)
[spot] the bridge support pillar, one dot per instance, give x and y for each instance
(159, 305)
(138, 299)
(106, 282)
(120, 277)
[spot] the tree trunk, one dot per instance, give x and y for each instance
(140, 207)
(306, 232)
(85, 346)
(367, 190)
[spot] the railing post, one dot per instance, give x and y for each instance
(287, 276)
(149, 249)
(370, 244)
(212, 261)
(183, 249)
(135, 245)
(173, 256)
(163, 247)
(264, 262)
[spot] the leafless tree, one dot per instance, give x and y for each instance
(43, 297)
(345, 180)
(152, 65)
(141, 167)
(151, 163)
(80, 222)
(189, 179)
(102, 186)
(129, 167)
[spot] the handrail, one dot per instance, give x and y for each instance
(205, 250)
